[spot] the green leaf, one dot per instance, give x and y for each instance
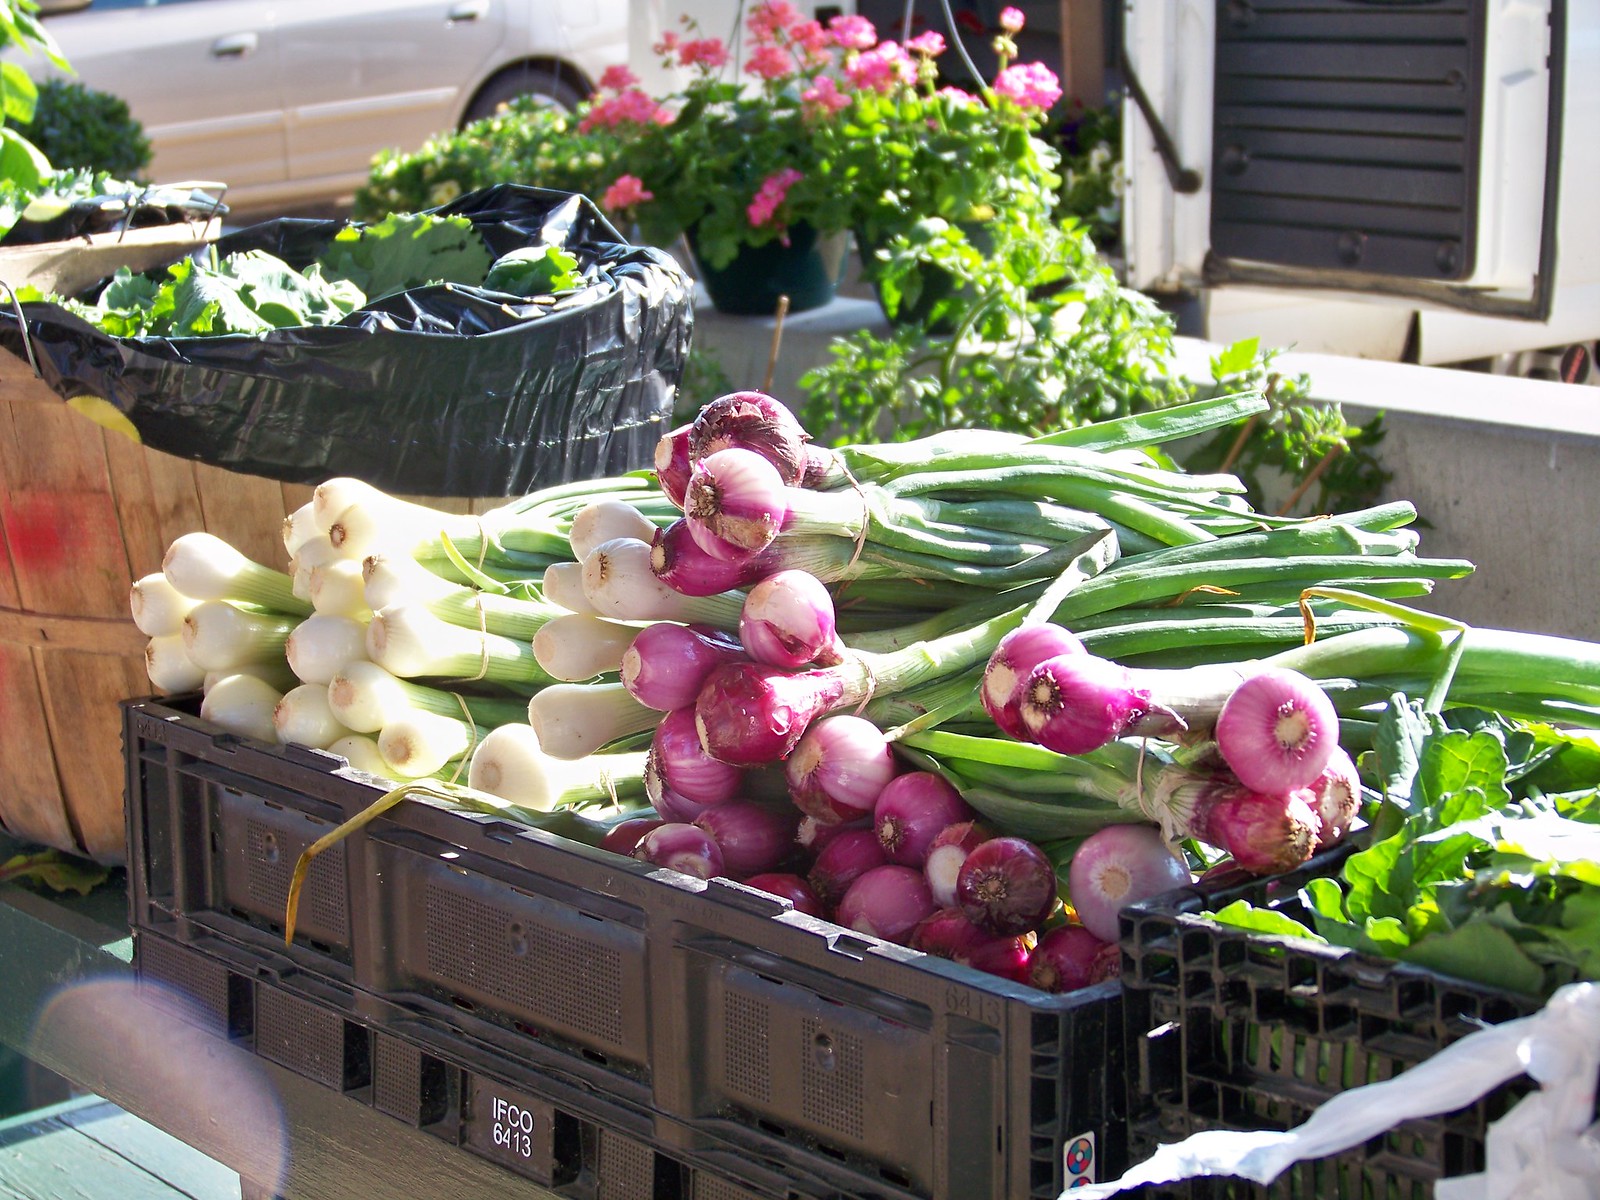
(534, 271)
(1463, 774)
(1370, 874)
(1388, 935)
(19, 95)
(1479, 951)
(1325, 898)
(57, 871)
(1244, 915)
(404, 251)
(1236, 359)
(208, 302)
(20, 160)
(1398, 747)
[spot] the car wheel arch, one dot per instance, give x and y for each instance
(562, 72)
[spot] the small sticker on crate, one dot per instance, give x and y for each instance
(512, 1129)
(1078, 1161)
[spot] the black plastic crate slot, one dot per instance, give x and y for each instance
(201, 991)
(626, 1169)
(415, 1087)
(311, 1040)
(529, 962)
(805, 1067)
(261, 840)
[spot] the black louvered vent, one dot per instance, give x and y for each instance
(1346, 134)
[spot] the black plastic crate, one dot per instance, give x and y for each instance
(709, 1020)
(1229, 1029)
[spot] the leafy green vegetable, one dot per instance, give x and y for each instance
(1476, 872)
(57, 871)
(253, 292)
(534, 271)
(404, 251)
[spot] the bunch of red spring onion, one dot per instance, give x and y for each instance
(799, 659)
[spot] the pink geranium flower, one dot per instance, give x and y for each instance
(930, 43)
(618, 79)
(1030, 85)
(853, 33)
(632, 107)
(703, 52)
(770, 62)
(667, 44)
(880, 68)
(811, 37)
(772, 18)
(1011, 20)
(627, 191)
(770, 195)
(825, 95)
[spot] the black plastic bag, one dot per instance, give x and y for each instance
(441, 390)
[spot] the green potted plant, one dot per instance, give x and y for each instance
(906, 149)
(739, 169)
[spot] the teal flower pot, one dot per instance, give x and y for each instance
(807, 270)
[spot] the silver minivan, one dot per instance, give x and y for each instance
(287, 100)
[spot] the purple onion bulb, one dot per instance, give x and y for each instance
(1277, 731)
(946, 855)
(1069, 957)
(792, 888)
(1007, 886)
(1010, 665)
(623, 838)
(684, 765)
(736, 504)
(1117, 866)
(750, 714)
(788, 621)
(1264, 834)
(1075, 703)
(678, 561)
(672, 463)
(683, 848)
(887, 902)
(948, 934)
(752, 421)
(666, 665)
(753, 837)
(838, 769)
(912, 811)
(844, 860)
(1336, 798)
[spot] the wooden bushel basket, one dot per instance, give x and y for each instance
(84, 511)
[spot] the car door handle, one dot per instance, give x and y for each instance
(468, 10)
(234, 45)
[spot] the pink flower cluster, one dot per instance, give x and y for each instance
(709, 53)
(772, 18)
(853, 33)
(632, 107)
(627, 191)
(880, 68)
(1029, 85)
(770, 195)
(824, 95)
(1011, 20)
(770, 62)
(930, 43)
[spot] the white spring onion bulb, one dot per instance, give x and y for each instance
(600, 522)
(275, 673)
(511, 764)
(315, 551)
(366, 698)
(169, 666)
(322, 645)
(618, 582)
(205, 567)
(299, 527)
(577, 646)
(362, 753)
(302, 718)
(395, 579)
(337, 590)
(575, 719)
(421, 743)
(300, 577)
(409, 641)
(218, 636)
(242, 704)
(333, 496)
(158, 607)
(563, 585)
(387, 523)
